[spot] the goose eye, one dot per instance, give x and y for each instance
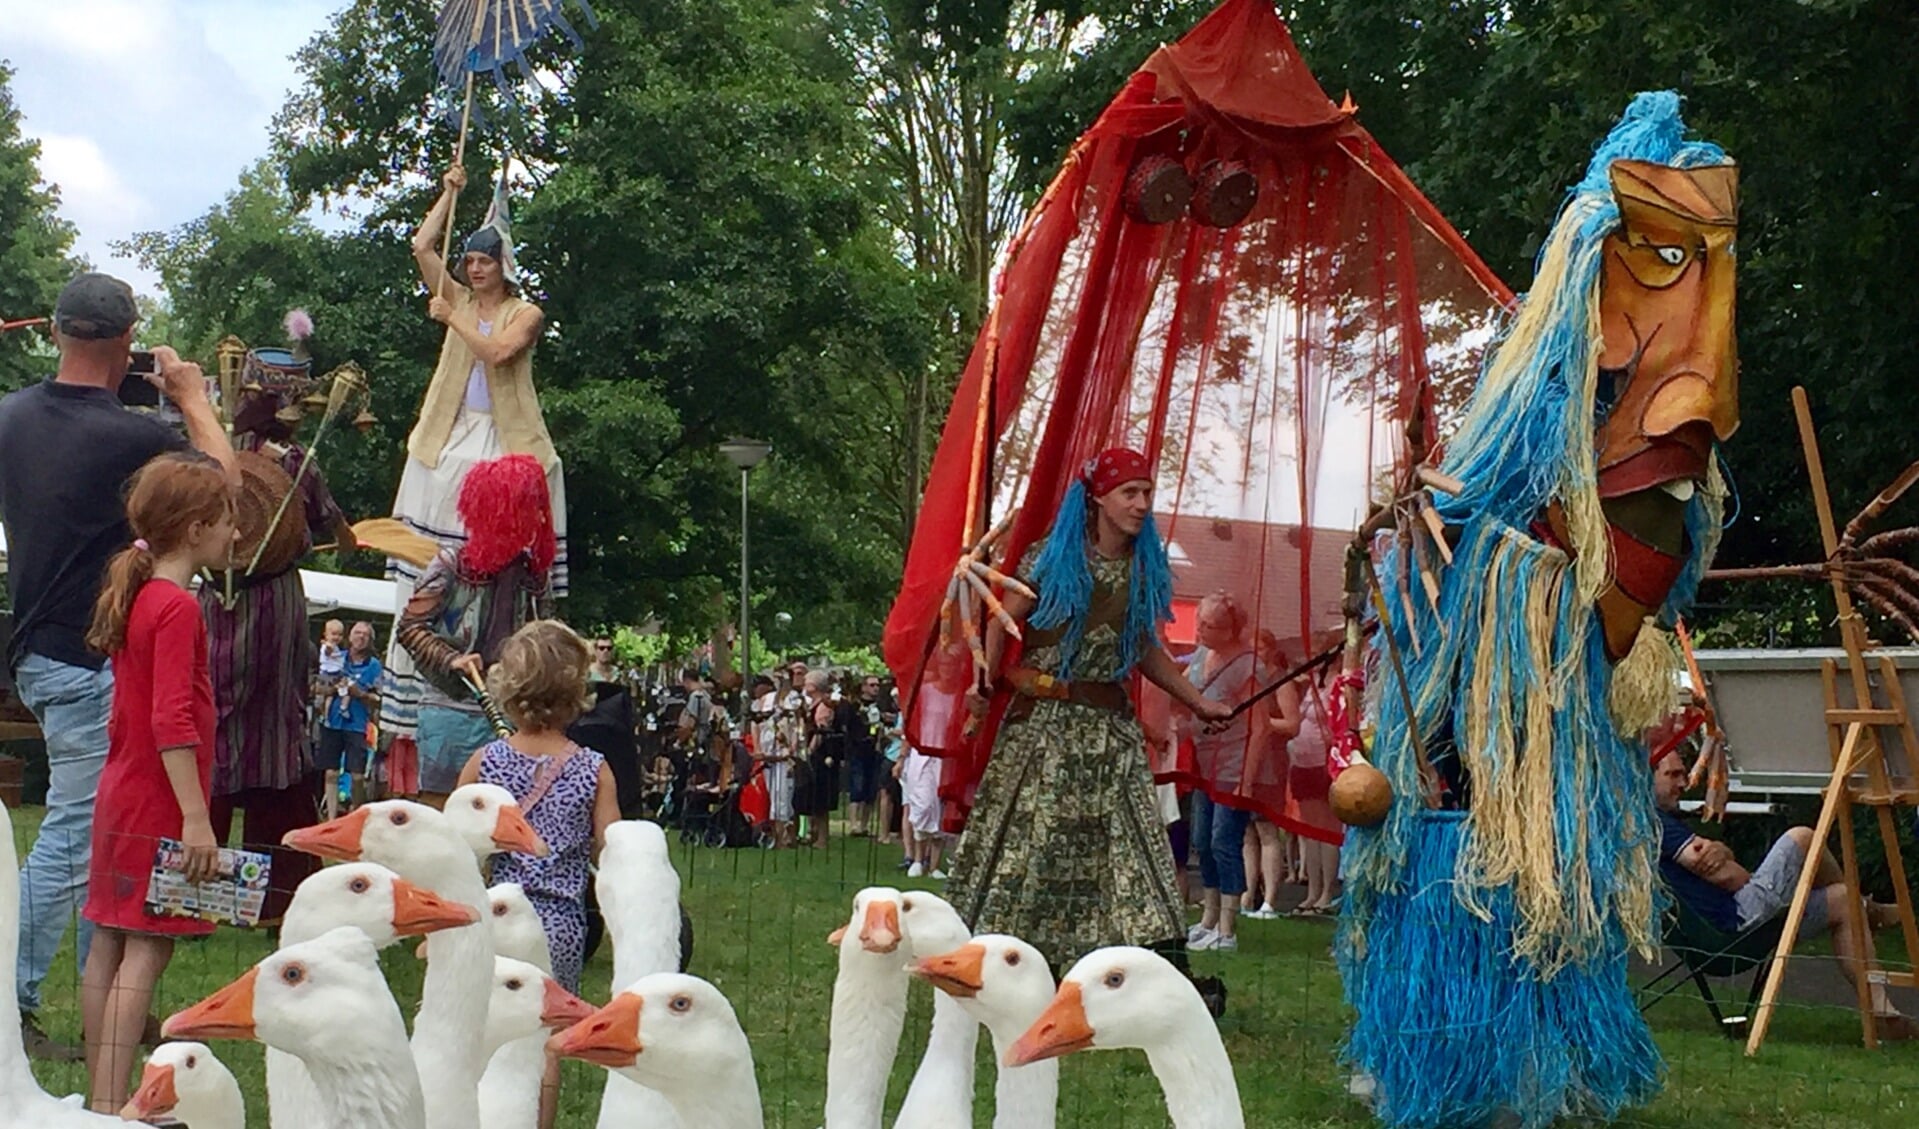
(479, 804)
(293, 974)
(358, 885)
(681, 1004)
(192, 1061)
(499, 910)
(513, 985)
(906, 903)
(399, 818)
(1012, 959)
(1115, 979)
(1672, 256)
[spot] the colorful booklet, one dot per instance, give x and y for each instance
(233, 898)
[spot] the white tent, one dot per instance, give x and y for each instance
(327, 592)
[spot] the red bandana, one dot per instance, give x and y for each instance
(1665, 737)
(1114, 467)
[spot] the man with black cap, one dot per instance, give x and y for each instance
(67, 449)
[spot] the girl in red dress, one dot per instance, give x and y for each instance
(160, 753)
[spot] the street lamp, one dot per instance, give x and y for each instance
(745, 454)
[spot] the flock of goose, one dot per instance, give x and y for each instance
(338, 1052)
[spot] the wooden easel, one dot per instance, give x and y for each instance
(1858, 750)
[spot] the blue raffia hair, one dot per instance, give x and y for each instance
(1484, 951)
(1063, 576)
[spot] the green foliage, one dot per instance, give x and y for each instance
(34, 244)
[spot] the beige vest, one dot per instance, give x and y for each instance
(516, 407)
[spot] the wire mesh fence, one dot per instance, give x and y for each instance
(760, 924)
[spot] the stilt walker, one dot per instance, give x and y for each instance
(481, 402)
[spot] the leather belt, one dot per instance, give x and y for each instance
(1031, 686)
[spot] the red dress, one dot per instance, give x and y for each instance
(162, 699)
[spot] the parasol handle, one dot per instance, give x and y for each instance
(459, 158)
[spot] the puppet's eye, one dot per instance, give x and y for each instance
(1671, 256)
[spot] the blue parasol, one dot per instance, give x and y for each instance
(484, 36)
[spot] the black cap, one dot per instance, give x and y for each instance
(95, 307)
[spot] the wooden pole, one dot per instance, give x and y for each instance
(459, 157)
(1828, 811)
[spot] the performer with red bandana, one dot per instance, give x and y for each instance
(1065, 846)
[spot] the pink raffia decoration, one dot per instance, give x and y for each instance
(299, 325)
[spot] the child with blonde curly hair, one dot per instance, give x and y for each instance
(566, 791)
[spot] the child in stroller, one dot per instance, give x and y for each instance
(712, 810)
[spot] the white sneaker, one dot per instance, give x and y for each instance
(1196, 933)
(1225, 943)
(937, 873)
(1263, 913)
(915, 871)
(1206, 942)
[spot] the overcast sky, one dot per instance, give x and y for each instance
(147, 110)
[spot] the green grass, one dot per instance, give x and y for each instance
(761, 919)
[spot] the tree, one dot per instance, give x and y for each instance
(34, 245)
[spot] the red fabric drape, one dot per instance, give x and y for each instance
(1268, 369)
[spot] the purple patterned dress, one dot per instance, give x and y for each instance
(557, 795)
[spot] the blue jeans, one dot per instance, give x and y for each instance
(71, 703)
(1218, 834)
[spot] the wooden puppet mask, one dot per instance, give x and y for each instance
(1666, 314)
(1669, 367)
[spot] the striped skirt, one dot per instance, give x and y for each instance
(428, 503)
(259, 657)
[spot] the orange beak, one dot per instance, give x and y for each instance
(836, 936)
(417, 912)
(337, 839)
(880, 931)
(610, 1037)
(155, 1095)
(960, 973)
(1060, 1030)
(226, 1014)
(511, 832)
(561, 1009)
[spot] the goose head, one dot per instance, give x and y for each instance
(303, 999)
(516, 927)
(526, 1001)
(392, 830)
(187, 1083)
(490, 820)
(994, 974)
(372, 899)
(666, 1031)
(875, 924)
(1116, 997)
(930, 925)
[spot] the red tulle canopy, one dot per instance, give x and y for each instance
(1269, 369)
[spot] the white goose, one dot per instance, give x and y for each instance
(326, 1001)
(23, 1104)
(188, 1083)
(528, 1002)
(510, 1088)
(1004, 983)
(380, 904)
(1127, 997)
(678, 1035)
(941, 1096)
(476, 813)
(869, 1011)
(423, 846)
(639, 892)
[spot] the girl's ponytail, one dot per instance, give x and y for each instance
(130, 568)
(167, 496)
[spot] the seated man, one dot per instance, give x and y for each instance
(1705, 876)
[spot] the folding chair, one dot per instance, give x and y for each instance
(1704, 952)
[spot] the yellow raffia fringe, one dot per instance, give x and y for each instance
(1645, 686)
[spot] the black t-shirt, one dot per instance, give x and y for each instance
(66, 453)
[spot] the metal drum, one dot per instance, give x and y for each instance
(263, 487)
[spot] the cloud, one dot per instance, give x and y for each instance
(148, 110)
